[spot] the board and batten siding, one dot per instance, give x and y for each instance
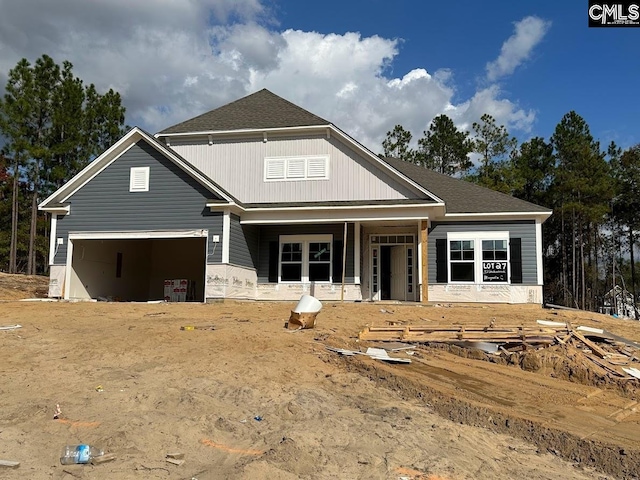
(524, 229)
(238, 167)
(175, 201)
(272, 234)
(244, 243)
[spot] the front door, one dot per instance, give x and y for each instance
(392, 267)
(398, 273)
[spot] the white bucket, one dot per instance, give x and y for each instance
(308, 304)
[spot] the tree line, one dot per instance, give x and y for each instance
(51, 126)
(594, 193)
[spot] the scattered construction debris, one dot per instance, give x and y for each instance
(9, 464)
(608, 353)
(175, 458)
(198, 327)
(11, 327)
(107, 457)
(298, 321)
(305, 313)
(375, 353)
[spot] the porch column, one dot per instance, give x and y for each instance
(424, 263)
(356, 253)
(226, 233)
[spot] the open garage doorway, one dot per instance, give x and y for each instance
(135, 269)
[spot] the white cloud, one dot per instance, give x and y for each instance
(528, 33)
(179, 59)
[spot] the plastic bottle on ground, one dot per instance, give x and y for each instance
(79, 454)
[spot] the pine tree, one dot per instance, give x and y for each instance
(396, 144)
(495, 147)
(53, 127)
(444, 148)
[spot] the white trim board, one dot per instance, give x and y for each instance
(138, 234)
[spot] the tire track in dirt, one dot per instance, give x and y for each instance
(623, 463)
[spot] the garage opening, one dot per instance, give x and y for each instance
(135, 270)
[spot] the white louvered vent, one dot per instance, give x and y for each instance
(274, 169)
(317, 167)
(295, 168)
(139, 179)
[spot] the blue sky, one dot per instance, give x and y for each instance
(364, 65)
(594, 71)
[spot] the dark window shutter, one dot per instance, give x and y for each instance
(274, 251)
(515, 250)
(337, 261)
(442, 271)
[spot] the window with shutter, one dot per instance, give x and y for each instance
(475, 257)
(139, 179)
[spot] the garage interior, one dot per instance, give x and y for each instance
(134, 270)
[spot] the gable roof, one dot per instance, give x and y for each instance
(461, 196)
(259, 110)
(56, 199)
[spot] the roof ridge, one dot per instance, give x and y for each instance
(259, 110)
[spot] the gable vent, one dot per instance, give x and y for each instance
(139, 179)
(317, 168)
(275, 169)
(295, 168)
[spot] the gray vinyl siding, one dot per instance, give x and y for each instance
(244, 243)
(272, 233)
(524, 229)
(175, 201)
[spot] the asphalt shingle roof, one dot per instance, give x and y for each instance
(461, 196)
(262, 109)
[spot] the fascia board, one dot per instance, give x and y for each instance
(542, 216)
(244, 131)
(64, 210)
(140, 234)
(355, 214)
(342, 207)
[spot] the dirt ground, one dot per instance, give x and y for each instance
(251, 399)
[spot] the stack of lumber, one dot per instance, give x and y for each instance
(532, 336)
(606, 353)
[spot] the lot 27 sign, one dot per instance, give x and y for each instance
(494, 271)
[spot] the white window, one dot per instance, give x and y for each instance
(478, 257)
(296, 168)
(139, 179)
(305, 258)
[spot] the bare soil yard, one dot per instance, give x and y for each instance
(251, 399)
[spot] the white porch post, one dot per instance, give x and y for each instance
(67, 273)
(226, 231)
(356, 252)
(539, 266)
(53, 240)
(424, 267)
